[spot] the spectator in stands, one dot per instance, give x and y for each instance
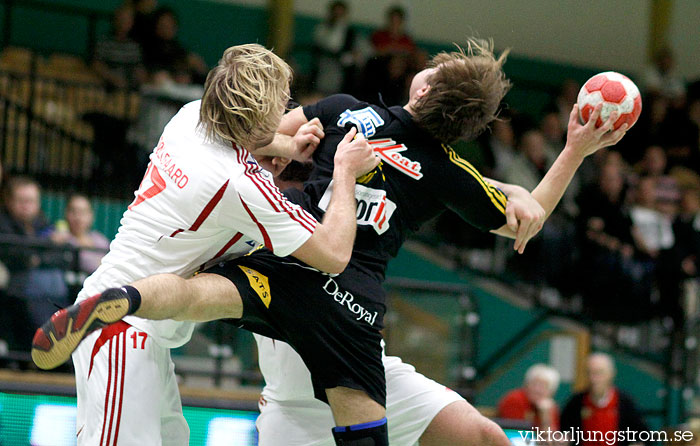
(687, 232)
(608, 248)
(662, 79)
(694, 115)
(498, 146)
(666, 191)
(680, 269)
(532, 161)
(336, 57)
(567, 97)
(117, 57)
(653, 227)
(35, 274)
(144, 11)
(534, 401)
(80, 218)
(534, 158)
(165, 57)
(554, 134)
(393, 37)
(602, 407)
(396, 59)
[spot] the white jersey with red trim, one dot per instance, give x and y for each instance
(199, 203)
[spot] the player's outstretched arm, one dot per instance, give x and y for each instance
(330, 247)
(525, 212)
(581, 140)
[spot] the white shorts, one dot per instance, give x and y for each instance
(127, 391)
(412, 402)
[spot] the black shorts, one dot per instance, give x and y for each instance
(332, 322)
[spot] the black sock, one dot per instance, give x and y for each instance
(134, 298)
(374, 433)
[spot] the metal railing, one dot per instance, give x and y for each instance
(51, 129)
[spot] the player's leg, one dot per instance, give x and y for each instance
(173, 426)
(358, 418)
(202, 298)
(342, 351)
(351, 406)
(460, 424)
(120, 384)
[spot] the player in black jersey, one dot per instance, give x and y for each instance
(334, 322)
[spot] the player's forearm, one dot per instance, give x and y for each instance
(339, 223)
(281, 145)
(552, 187)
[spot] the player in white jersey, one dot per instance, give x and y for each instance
(203, 199)
(290, 416)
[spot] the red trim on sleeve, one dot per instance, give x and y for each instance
(274, 196)
(266, 237)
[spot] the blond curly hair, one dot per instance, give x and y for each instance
(245, 96)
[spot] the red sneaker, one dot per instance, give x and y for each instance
(54, 342)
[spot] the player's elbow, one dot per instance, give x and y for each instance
(338, 262)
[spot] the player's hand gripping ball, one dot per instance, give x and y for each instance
(617, 93)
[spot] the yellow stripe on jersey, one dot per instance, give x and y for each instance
(497, 197)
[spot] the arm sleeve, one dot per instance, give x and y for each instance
(464, 191)
(258, 209)
(328, 109)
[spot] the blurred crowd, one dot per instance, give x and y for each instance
(42, 264)
(143, 48)
(345, 60)
(600, 407)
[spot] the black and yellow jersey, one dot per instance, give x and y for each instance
(417, 179)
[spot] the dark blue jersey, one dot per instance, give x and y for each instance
(418, 178)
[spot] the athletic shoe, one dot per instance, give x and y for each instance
(54, 342)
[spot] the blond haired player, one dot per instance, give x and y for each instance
(203, 199)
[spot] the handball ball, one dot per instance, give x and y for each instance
(617, 93)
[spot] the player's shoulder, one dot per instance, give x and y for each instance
(330, 105)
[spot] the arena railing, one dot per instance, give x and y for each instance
(49, 130)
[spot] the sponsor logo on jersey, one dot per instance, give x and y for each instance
(390, 152)
(345, 299)
(373, 206)
(259, 283)
(366, 120)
